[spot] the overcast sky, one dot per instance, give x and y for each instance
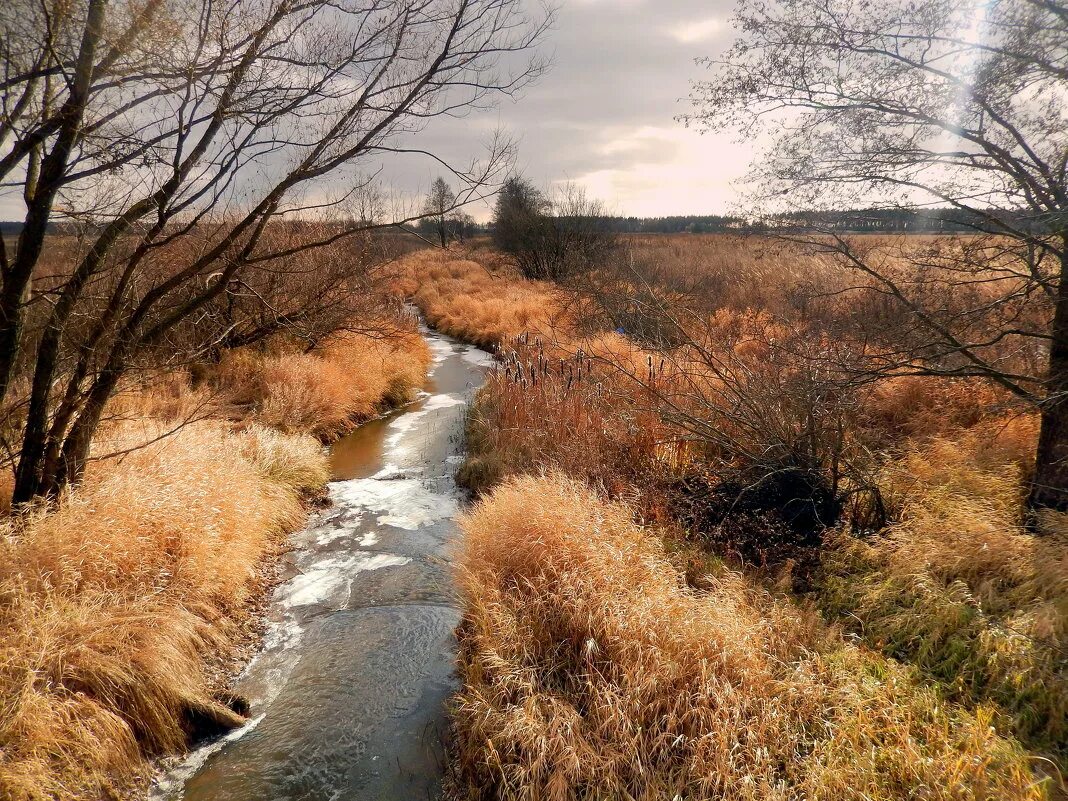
(604, 115)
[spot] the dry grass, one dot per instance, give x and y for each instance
(125, 606)
(960, 588)
(486, 304)
(590, 671)
(326, 391)
(957, 588)
(121, 605)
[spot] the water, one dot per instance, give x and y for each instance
(347, 693)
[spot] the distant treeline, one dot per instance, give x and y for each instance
(688, 224)
(871, 220)
(907, 221)
(862, 221)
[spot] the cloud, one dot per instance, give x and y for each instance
(700, 31)
(605, 113)
(668, 170)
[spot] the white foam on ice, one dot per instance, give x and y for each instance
(440, 350)
(399, 428)
(443, 400)
(401, 503)
(479, 358)
(330, 580)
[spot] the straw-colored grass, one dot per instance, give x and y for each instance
(590, 671)
(957, 588)
(122, 606)
(960, 588)
(329, 390)
(486, 304)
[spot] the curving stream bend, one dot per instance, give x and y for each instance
(347, 692)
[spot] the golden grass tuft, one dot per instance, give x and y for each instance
(465, 299)
(590, 671)
(960, 588)
(121, 606)
(327, 391)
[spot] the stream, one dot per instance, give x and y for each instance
(347, 692)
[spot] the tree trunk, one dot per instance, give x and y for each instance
(53, 167)
(1050, 487)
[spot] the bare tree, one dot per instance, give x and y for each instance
(912, 105)
(551, 238)
(180, 135)
(440, 203)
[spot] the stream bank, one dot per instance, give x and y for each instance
(347, 693)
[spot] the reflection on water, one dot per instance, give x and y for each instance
(347, 692)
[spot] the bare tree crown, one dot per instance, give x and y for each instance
(181, 133)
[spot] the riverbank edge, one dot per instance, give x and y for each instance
(268, 576)
(98, 738)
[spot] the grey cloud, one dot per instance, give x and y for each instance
(616, 67)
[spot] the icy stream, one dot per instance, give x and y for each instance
(347, 692)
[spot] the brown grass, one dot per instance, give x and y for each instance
(486, 304)
(121, 605)
(124, 607)
(327, 391)
(590, 671)
(960, 588)
(956, 588)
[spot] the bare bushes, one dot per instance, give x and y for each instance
(551, 238)
(121, 606)
(589, 671)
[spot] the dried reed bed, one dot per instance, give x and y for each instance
(567, 412)
(732, 271)
(121, 605)
(590, 671)
(483, 302)
(960, 588)
(327, 390)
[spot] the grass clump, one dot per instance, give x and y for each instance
(328, 390)
(590, 670)
(122, 607)
(961, 588)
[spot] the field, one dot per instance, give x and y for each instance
(705, 559)
(880, 620)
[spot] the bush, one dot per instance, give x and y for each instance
(551, 239)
